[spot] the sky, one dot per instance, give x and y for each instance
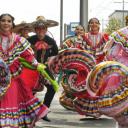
(28, 10)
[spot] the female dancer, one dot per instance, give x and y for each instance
(95, 40)
(66, 99)
(75, 41)
(18, 106)
(108, 81)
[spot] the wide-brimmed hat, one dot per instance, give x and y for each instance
(23, 25)
(41, 21)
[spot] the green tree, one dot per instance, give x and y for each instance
(113, 25)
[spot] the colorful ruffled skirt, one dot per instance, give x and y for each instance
(18, 107)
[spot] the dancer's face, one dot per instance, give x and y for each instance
(79, 31)
(94, 25)
(6, 24)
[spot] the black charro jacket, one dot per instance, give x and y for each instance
(52, 51)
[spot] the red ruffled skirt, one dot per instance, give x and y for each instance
(19, 108)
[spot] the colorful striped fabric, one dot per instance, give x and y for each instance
(108, 82)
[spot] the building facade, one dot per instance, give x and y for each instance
(120, 15)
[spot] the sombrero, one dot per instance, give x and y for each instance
(23, 25)
(41, 21)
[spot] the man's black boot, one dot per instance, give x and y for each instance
(46, 118)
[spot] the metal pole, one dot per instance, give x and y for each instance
(65, 30)
(84, 13)
(102, 25)
(123, 14)
(61, 21)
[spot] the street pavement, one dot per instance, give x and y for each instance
(62, 118)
